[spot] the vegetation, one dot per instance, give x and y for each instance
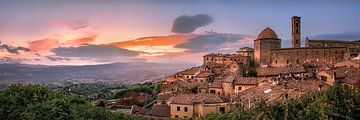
(36, 102)
(251, 73)
(104, 91)
(335, 103)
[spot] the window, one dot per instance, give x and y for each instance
(296, 24)
(323, 78)
(185, 117)
(297, 61)
(201, 80)
(185, 109)
(239, 88)
(178, 108)
(275, 61)
(297, 41)
(297, 31)
(176, 116)
(222, 110)
(212, 91)
(287, 61)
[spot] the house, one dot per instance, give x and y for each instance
(197, 105)
(188, 74)
(179, 86)
(348, 77)
(160, 110)
(244, 83)
(204, 77)
(348, 63)
(277, 73)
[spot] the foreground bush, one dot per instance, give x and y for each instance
(36, 102)
(335, 103)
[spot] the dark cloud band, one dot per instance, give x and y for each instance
(188, 24)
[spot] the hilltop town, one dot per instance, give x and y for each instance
(226, 82)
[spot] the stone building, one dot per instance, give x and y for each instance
(267, 49)
(266, 41)
(197, 105)
(246, 51)
(348, 64)
(347, 77)
(226, 59)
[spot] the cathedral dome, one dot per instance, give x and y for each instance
(267, 33)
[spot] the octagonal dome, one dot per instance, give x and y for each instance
(267, 33)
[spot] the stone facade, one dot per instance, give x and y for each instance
(267, 49)
(353, 47)
(265, 42)
(306, 55)
(295, 32)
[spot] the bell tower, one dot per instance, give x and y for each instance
(295, 31)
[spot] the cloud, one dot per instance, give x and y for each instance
(98, 52)
(43, 45)
(211, 42)
(338, 36)
(12, 49)
(73, 25)
(188, 24)
(81, 41)
(57, 58)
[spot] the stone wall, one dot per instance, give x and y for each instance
(324, 55)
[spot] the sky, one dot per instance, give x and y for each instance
(80, 32)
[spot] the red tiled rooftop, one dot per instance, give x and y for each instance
(189, 99)
(283, 70)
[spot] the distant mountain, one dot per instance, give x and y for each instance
(127, 73)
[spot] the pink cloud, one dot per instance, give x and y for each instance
(81, 41)
(43, 45)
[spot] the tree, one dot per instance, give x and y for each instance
(251, 73)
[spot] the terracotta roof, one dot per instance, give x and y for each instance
(203, 85)
(138, 110)
(354, 61)
(346, 75)
(190, 71)
(164, 96)
(189, 99)
(246, 81)
(216, 84)
(267, 33)
(160, 110)
(334, 41)
(310, 48)
(293, 88)
(229, 78)
(204, 74)
(291, 69)
(177, 84)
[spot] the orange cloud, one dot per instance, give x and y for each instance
(81, 41)
(43, 45)
(156, 41)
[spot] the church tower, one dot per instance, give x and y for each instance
(266, 41)
(295, 31)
